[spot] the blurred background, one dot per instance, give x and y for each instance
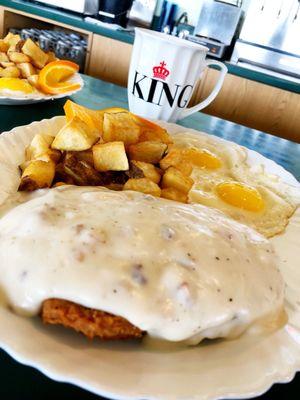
(261, 33)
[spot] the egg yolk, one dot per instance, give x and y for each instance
(16, 84)
(241, 196)
(202, 158)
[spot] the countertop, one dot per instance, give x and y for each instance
(21, 383)
(75, 20)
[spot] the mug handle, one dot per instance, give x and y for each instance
(213, 94)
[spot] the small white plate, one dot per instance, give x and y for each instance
(11, 99)
(240, 368)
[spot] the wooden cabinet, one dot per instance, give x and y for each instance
(109, 60)
(253, 104)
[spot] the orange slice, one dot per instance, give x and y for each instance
(54, 77)
(16, 84)
(93, 118)
(151, 131)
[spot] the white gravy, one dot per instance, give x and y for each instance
(177, 271)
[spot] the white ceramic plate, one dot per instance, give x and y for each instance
(241, 368)
(12, 99)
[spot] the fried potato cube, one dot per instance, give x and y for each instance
(38, 174)
(12, 49)
(4, 46)
(155, 135)
(50, 155)
(175, 158)
(37, 55)
(19, 45)
(143, 185)
(185, 167)
(151, 131)
(16, 47)
(10, 72)
(18, 57)
(40, 144)
(172, 158)
(26, 69)
(185, 159)
(120, 127)
(93, 118)
(33, 80)
(11, 39)
(75, 136)
(176, 179)
(3, 57)
(6, 64)
(174, 194)
(149, 170)
(51, 57)
(150, 152)
(110, 157)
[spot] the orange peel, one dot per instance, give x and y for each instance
(54, 77)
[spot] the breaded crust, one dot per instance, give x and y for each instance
(88, 321)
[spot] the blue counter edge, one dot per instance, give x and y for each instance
(264, 78)
(78, 22)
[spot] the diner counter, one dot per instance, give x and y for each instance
(20, 382)
(77, 21)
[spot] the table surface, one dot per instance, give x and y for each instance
(21, 383)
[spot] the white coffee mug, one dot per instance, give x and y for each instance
(163, 72)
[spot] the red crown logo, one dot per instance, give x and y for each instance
(160, 71)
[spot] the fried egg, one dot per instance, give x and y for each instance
(255, 206)
(247, 194)
(229, 154)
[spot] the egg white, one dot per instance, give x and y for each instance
(280, 199)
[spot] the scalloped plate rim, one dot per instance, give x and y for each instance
(15, 100)
(275, 377)
(58, 377)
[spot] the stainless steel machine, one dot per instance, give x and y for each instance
(270, 36)
(218, 24)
